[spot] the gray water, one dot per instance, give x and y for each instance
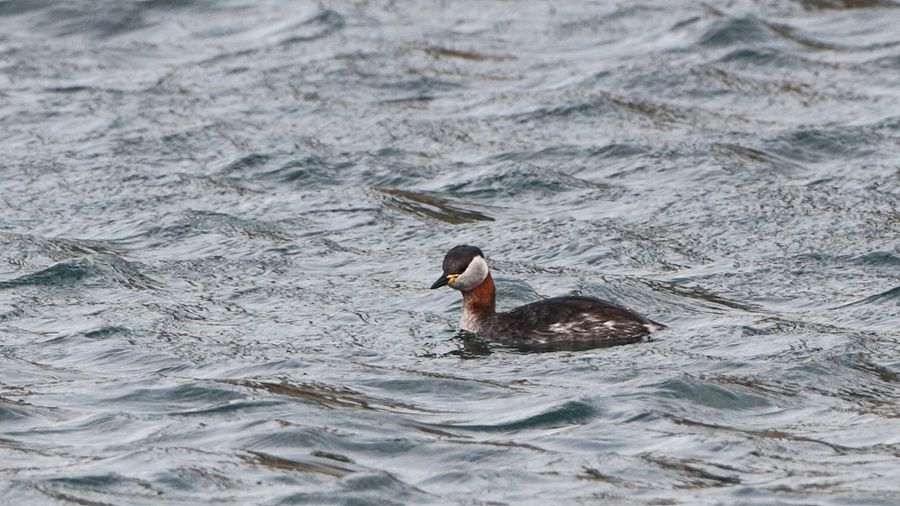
(219, 220)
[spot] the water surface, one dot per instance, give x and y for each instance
(219, 220)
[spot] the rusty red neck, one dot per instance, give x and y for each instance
(480, 300)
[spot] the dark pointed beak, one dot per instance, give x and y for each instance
(442, 281)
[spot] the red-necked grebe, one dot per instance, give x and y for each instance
(571, 319)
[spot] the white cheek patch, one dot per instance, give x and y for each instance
(473, 275)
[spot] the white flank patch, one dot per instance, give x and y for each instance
(558, 328)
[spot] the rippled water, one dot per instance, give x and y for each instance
(219, 221)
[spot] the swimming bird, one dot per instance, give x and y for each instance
(567, 319)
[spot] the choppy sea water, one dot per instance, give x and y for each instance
(219, 220)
